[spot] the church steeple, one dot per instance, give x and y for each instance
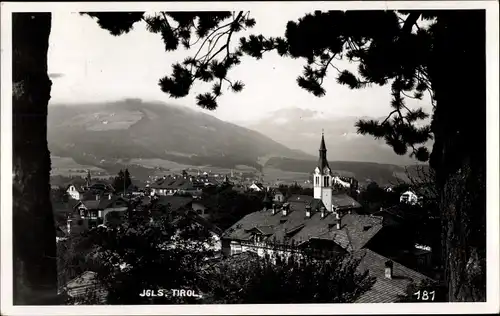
(88, 179)
(323, 162)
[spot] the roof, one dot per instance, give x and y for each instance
(77, 187)
(105, 203)
(258, 185)
(89, 195)
(385, 290)
(322, 162)
(83, 283)
(205, 223)
(100, 186)
(173, 184)
(354, 233)
(344, 201)
(89, 204)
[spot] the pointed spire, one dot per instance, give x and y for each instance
(323, 162)
(322, 146)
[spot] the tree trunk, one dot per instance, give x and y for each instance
(34, 240)
(459, 153)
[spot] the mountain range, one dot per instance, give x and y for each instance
(116, 131)
(128, 132)
(301, 129)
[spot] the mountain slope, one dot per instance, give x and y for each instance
(301, 129)
(96, 134)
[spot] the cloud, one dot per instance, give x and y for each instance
(55, 75)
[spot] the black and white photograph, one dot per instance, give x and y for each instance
(249, 157)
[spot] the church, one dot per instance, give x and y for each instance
(328, 224)
(326, 184)
(305, 220)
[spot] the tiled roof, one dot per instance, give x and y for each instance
(105, 203)
(89, 195)
(385, 290)
(91, 204)
(83, 284)
(173, 184)
(344, 201)
(355, 232)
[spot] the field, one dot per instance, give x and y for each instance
(66, 166)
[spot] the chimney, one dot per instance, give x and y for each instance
(97, 197)
(338, 224)
(337, 215)
(323, 213)
(308, 211)
(274, 210)
(285, 209)
(109, 196)
(68, 225)
(388, 269)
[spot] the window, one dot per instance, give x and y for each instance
(327, 181)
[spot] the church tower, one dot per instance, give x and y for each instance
(88, 179)
(323, 186)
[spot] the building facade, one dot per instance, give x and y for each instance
(322, 179)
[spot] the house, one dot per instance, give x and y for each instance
(391, 278)
(325, 225)
(100, 187)
(85, 287)
(94, 212)
(110, 205)
(200, 209)
(256, 186)
(171, 185)
(239, 188)
(278, 197)
(75, 192)
(343, 203)
(301, 222)
(409, 197)
(134, 190)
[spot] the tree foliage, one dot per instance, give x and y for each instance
(157, 252)
(147, 250)
(210, 32)
(122, 181)
(278, 279)
(227, 206)
(390, 48)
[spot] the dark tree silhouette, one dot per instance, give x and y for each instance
(277, 279)
(34, 247)
(390, 48)
(34, 254)
(122, 181)
(145, 250)
(394, 48)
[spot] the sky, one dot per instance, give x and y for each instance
(90, 65)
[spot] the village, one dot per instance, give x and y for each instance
(335, 216)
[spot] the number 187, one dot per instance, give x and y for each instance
(425, 295)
